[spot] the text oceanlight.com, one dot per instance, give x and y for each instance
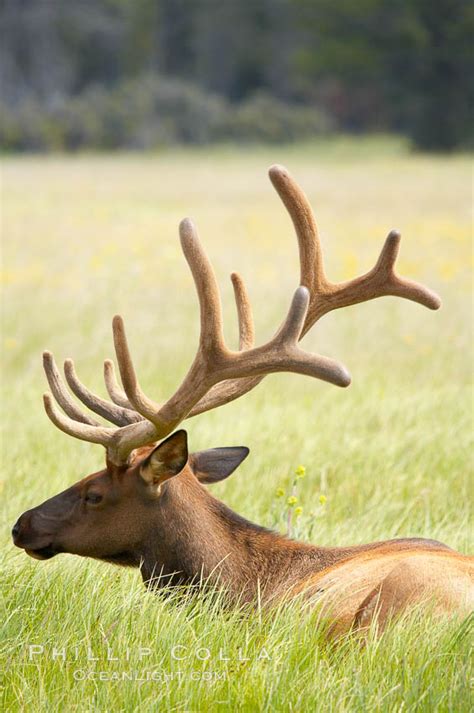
(159, 675)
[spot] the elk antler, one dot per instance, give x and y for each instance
(217, 374)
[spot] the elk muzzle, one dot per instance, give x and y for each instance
(31, 535)
(37, 530)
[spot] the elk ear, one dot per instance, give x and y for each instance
(216, 463)
(167, 460)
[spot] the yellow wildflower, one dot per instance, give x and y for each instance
(300, 472)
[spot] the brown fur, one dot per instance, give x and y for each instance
(176, 532)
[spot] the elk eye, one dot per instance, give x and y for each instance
(93, 498)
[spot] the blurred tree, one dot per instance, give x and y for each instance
(438, 80)
(403, 65)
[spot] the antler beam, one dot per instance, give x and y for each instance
(217, 374)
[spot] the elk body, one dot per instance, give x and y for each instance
(150, 507)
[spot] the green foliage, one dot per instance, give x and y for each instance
(266, 119)
(255, 71)
(405, 65)
(150, 112)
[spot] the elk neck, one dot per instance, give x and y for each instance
(194, 537)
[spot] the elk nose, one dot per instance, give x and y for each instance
(20, 528)
(16, 530)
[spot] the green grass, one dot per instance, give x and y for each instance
(86, 237)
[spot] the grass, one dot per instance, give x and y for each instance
(85, 237)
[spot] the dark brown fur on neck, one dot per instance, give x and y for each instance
(210, 543)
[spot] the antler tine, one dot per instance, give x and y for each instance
(244, 313)
(283, 354)
(140, 402)
(288, 336)
(61, 394)
(401, 286)
(290, 330)
(86, 432)
(295, 201)
(211, 342)
(119, 442)
(225, 391)
(205, 369)
(326, 296)
(117, 395)
(385, 264)
(116, 414)
(380, 281)
(211, 338)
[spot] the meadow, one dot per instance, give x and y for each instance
(87, 236)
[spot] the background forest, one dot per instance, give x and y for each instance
(105, 74)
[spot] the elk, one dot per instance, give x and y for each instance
(149, 507)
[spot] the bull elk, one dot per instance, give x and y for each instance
(148, 508)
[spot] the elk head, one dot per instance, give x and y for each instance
(109, 515)
(105, 515)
